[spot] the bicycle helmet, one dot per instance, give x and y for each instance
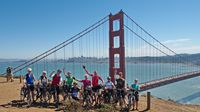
(44, 72)
(108, 78)
(29, 69)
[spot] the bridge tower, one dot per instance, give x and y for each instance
(116, 37)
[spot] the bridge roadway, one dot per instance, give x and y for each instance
(168, 80)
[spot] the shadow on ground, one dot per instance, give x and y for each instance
(68, 107)
(189, 98)
(22, 104)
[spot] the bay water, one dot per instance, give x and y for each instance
(187, 91)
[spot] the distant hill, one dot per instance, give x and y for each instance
(179, 58)
(12, 60)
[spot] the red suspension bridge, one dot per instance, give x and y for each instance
(116, 43)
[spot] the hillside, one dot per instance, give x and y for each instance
(10, 95)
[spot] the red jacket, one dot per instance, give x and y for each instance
(56, 80)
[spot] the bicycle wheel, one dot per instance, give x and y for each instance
(29, 98)
(22, 94)
(129, 101)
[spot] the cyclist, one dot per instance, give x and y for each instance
(55, 85)
(135, 88)
(95, 83)
(30, 78)
(9, 74)
(75, 90)
(86, 87)
(109, 88)
(69, 81)
(120, 86)
(43, 87)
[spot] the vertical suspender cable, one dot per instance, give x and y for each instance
(55, 61)
(88, 49)
(73, 56)
(47, 64)
(37, 67)
(96, 50)
(64, 59)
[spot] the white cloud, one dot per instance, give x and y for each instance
(184, 45)
(177, 40)
(188, 49)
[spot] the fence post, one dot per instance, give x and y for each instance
(20, 78)
(7, 78)
(148, 100)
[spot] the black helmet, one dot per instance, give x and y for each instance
(108, 77)
(59, 71)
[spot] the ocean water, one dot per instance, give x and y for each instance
(187, 91)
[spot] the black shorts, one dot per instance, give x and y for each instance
(55, 89)
(121, 93)
(86, 93)
(43, 89)
(96, 88)
(108, 92)
(136, 97)
(31, 87)
(67, 88)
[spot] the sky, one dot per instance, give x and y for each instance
(30, 27)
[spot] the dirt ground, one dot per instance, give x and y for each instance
(9, 95)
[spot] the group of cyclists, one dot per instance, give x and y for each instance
(92, 92)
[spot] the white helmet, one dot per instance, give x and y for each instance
(44, 72)
(86, 75)
(29, 69)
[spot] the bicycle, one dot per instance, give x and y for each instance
(87, 99)
(25, 93)
(131, 98)
(108, 95)
(67, 92)
(49, 93)
(119, 97)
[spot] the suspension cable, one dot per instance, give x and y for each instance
(146, 41)
(29, 61)
(71, 41)
(149, 34)
(158, 40)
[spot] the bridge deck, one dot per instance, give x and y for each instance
(168, 80)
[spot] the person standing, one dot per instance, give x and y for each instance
(135, 87)
(120, 86)
(9, 74)
(109, 88)
(95, 83)
(44, 82)
(30, 79)
(55, 85)
(69, 81)
(86, 87)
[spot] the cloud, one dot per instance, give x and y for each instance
(188, 49)
(177, 40)
(184, 45)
